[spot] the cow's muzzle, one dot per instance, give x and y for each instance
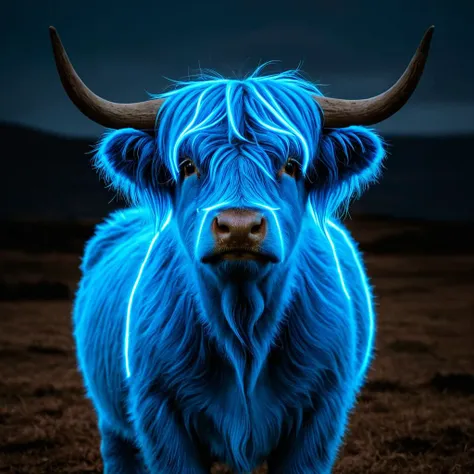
(239, 235)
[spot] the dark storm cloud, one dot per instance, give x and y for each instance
(122, 49)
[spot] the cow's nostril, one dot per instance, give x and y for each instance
(219, 227)
(258, 228)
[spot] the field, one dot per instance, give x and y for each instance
(415, 414)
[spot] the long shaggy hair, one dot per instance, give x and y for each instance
(186, 364)
(208, 115)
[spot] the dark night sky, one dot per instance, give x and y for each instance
(123, 48)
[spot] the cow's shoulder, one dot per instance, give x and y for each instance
(335, 245)
(117, 234)
(348, 253)
(345, 245)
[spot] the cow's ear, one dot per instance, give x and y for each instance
(125, 158)
(351, 155)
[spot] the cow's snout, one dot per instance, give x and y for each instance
(239, 228)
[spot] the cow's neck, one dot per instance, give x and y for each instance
(243, 317)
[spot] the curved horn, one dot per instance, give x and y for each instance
(140, 115)
(343, 113)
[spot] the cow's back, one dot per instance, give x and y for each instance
(110, 266)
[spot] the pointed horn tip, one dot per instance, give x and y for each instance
(53, 34)
(426, 41)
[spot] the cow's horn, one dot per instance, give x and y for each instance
(140, 115)
(343, 112)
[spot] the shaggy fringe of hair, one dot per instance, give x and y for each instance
(276, 113)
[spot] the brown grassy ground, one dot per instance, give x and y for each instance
(415, 415)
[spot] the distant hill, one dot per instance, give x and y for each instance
(424, 177)
(45, 176)
(50, 177)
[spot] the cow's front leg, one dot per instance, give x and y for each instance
(313, 450)
(166, 446)
(119, 455)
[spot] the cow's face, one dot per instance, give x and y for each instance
(240, 210)
(238, 162)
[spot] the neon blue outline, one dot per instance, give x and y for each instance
(206, 212)
(132, 294)
(272, 210)
(363, 278)
(229, 112)
(365, 285)
(334, 252)
(287, 123)
(190, 128)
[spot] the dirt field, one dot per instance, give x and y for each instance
(415, 415)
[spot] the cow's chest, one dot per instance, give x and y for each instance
(239, 429)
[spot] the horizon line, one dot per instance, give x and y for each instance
(58, 134)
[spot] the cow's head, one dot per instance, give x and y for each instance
(238, 163)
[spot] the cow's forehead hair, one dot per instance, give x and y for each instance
(274, 114)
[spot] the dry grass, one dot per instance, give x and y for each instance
(416, 414)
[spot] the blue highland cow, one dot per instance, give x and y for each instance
(226, 316)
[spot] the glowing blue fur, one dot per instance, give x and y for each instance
(132, 294)
(239, 362)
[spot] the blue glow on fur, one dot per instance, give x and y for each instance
(238, 361)
(363, 279)
(268, 101)
(370, 310)
(280, 116)
(333, 249)
(132, 294)
(272, 210)
(230, 113)
(203, 220)
(188, 130)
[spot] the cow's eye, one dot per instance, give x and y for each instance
(291, 168)
(187, 168)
